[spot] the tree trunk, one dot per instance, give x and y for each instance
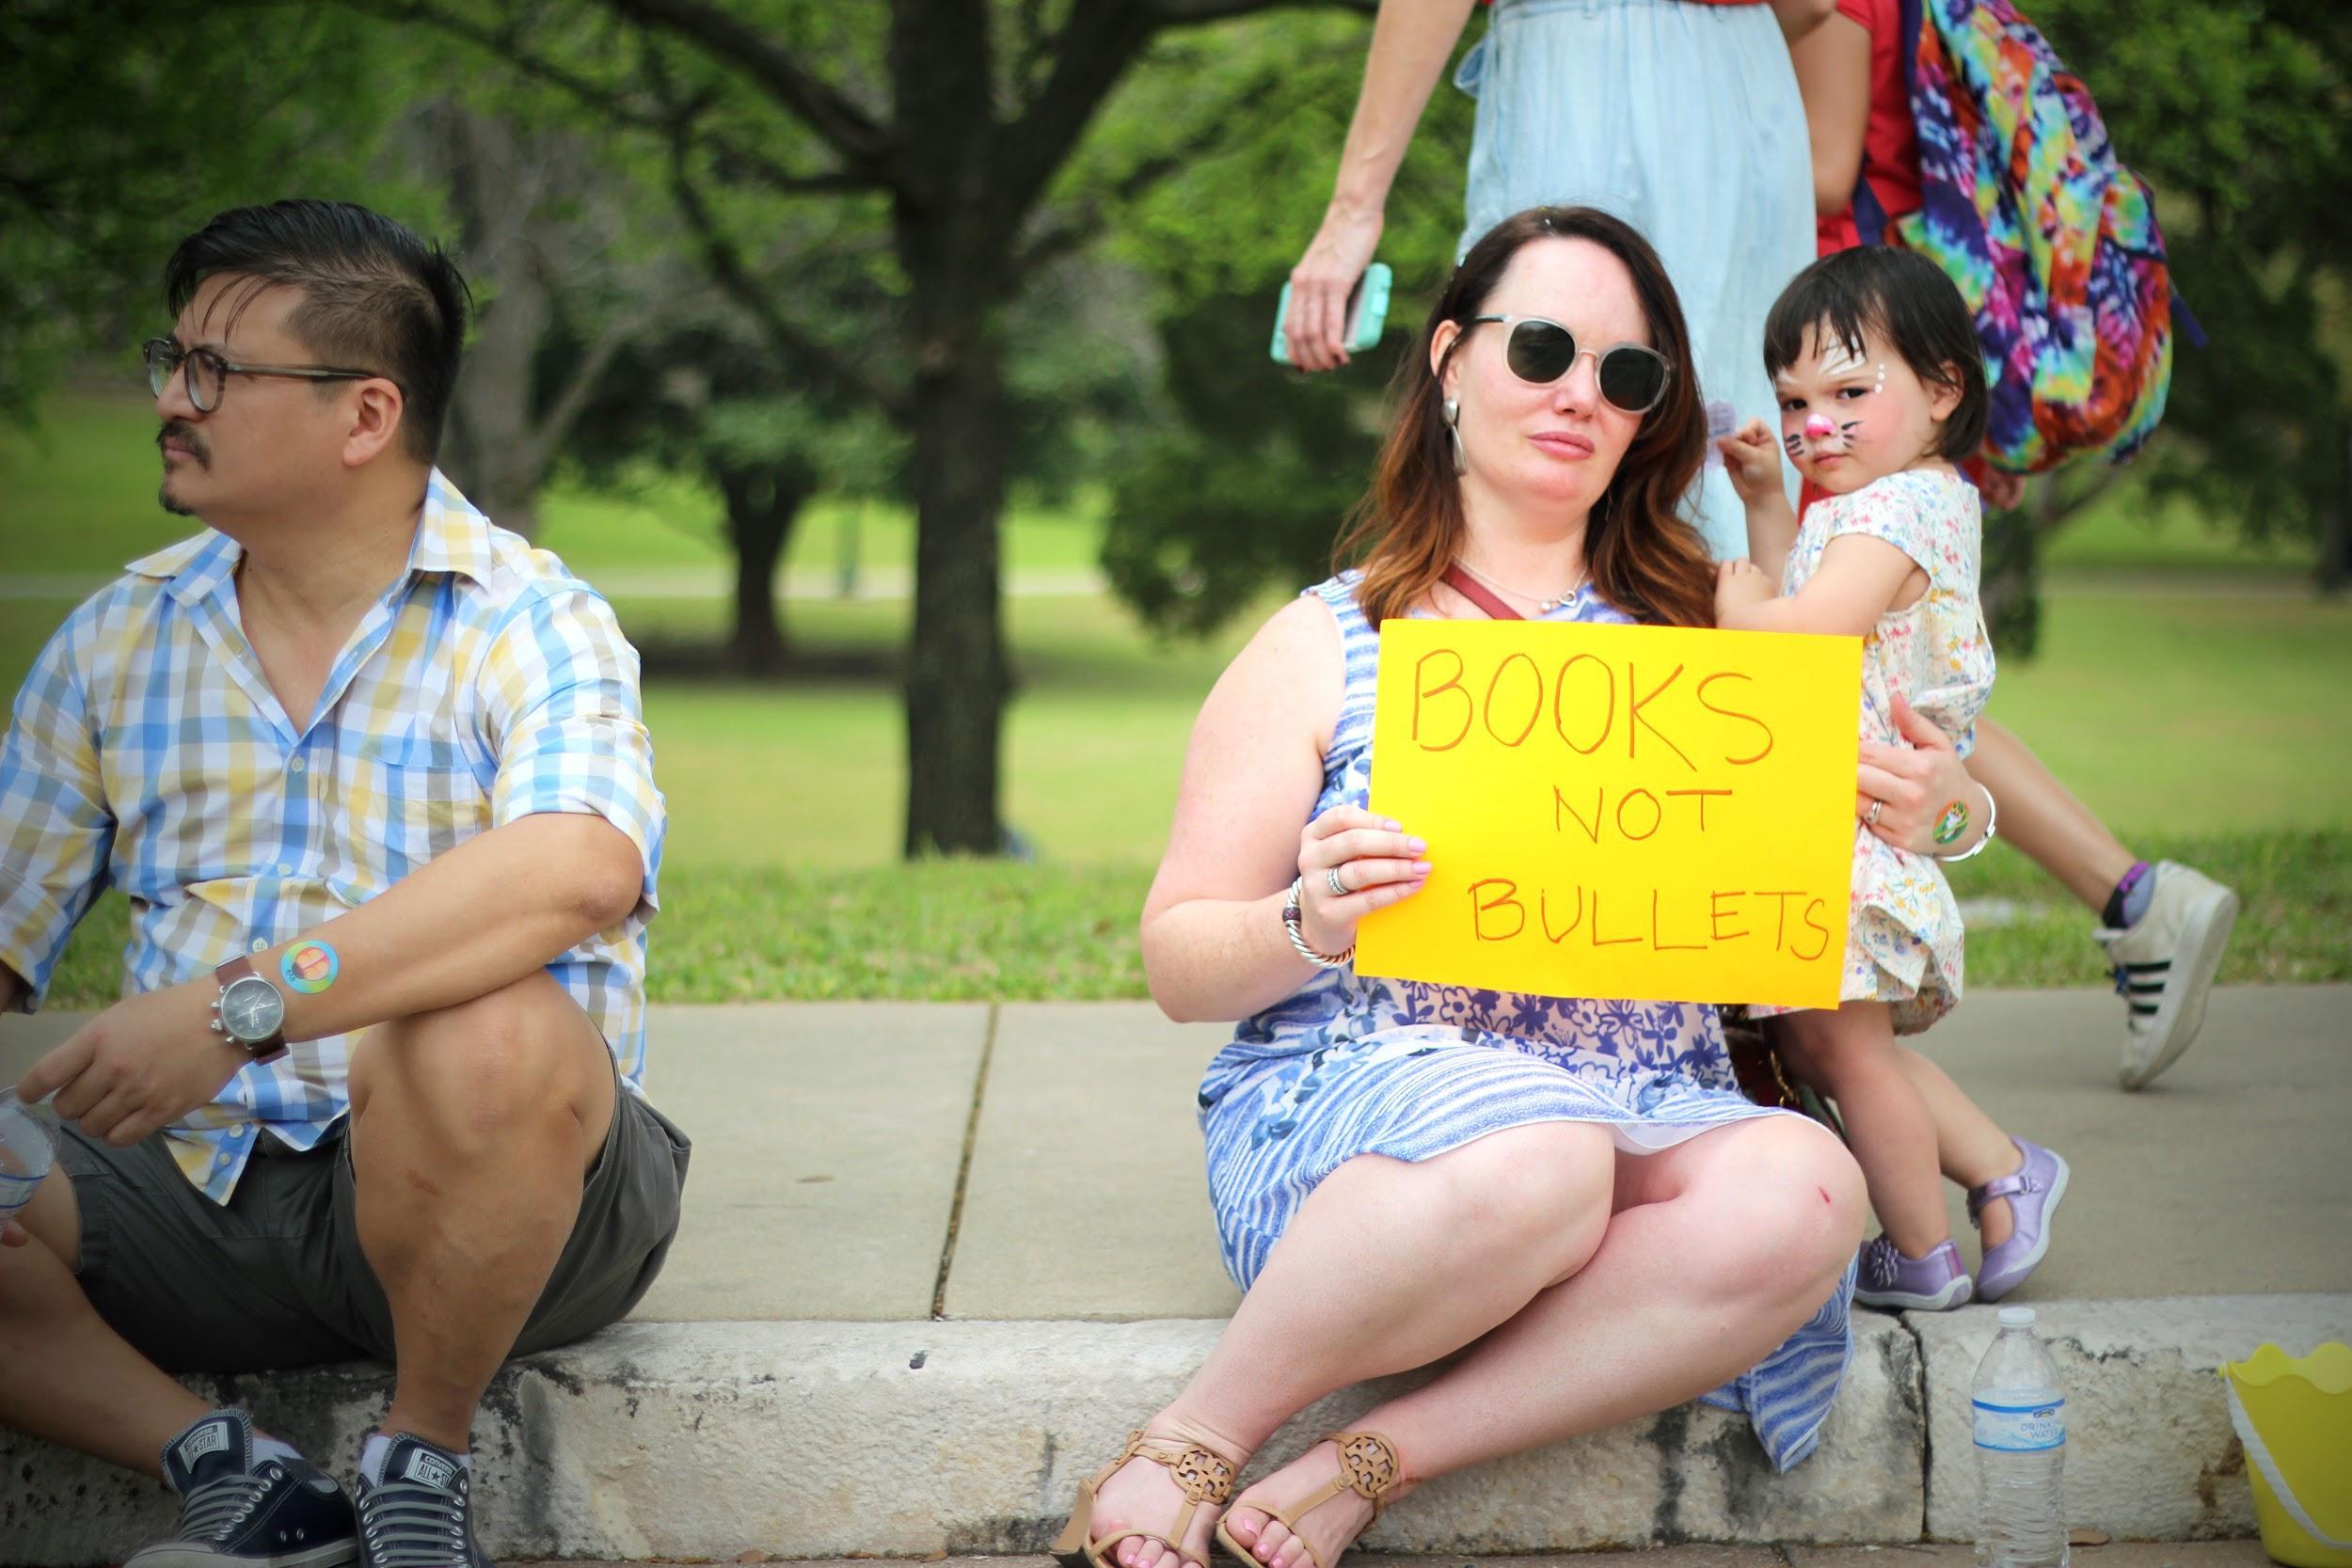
(491, 446)
(490, 449)
(762, 506)
(957, 677)
(2010, 586)
(2335, 526)
(954, 234)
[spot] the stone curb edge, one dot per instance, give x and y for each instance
(903, 1439)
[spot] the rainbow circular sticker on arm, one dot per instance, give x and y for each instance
(309, 967)
(1953, 823)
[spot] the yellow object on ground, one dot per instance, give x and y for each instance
(2294, 1419)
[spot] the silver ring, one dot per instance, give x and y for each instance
(1331, 875)
(1871, 819)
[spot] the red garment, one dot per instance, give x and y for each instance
(1890, 147)
(1890, 142)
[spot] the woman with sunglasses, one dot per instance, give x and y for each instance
(1680, 116)
(1570, 1193)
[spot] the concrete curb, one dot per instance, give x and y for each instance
(2149, 1453)
(822, 1439)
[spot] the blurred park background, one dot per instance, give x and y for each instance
(900, 372)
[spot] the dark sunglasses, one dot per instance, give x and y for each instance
(1632, 376)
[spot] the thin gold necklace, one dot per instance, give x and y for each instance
(1543, 606)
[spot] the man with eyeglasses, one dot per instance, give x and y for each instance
(374, 775)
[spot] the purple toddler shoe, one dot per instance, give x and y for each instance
(2033, 1191)
(1930, 1284)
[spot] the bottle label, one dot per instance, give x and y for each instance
(2020, 1428)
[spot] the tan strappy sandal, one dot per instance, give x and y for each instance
(1206, 1476)
(1368, 1467)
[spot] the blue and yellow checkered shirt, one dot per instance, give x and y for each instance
(147, 751)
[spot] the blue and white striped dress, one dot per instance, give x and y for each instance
(1348, 1066)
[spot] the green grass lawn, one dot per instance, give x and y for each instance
(2200, 711)
(997, 930)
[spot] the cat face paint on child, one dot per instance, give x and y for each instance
(1848, 416)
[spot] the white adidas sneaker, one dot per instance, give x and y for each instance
(2164, 967)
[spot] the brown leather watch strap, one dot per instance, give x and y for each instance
(262, 1050)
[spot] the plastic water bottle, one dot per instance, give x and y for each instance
(26, 1151)
(2021, 1450)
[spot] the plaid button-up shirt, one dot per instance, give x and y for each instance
(147, 751)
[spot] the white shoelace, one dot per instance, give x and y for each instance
(214, 1510)
(410, 1524)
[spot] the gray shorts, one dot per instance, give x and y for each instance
(275, 1277)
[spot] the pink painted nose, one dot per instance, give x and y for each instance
(1820, 428)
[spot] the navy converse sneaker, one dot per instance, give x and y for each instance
(417, 1516)
(237, 1513)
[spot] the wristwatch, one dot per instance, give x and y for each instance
(249, 1012)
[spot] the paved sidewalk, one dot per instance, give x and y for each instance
(860, 1167)
(834, 1141)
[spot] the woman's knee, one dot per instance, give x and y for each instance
(1538, 1194)
(1793, 1204)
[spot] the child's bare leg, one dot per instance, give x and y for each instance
(1970, 1145)
(2040, 816)
(1850, 1056)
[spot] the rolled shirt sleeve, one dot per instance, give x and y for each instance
(56, 830)
(565, 723)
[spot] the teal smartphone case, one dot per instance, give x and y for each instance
(1367, 313)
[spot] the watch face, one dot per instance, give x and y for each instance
(252, 1009)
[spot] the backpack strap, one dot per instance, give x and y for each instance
(2186, 323)
(1869, 215)
(1910, 21)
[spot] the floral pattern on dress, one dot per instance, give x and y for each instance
(1903, 943)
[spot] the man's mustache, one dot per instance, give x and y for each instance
(178, 432)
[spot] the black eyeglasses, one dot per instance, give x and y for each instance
(1632, 376)
(209, 373)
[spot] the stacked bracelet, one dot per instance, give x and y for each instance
(1992, 815)
(1293, 928)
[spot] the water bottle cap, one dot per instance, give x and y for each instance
(2016, 1317)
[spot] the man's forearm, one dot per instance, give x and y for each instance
(1412, 41)
(482, 916)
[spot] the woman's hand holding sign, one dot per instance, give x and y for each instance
(1370, 857)
(1903, 789)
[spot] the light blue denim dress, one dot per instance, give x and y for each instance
(1683, 120)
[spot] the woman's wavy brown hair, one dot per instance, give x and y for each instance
(1644, 557)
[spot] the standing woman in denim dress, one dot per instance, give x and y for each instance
(1569, 1193)
(1681, 117)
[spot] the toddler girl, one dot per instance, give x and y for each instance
(1881, 384)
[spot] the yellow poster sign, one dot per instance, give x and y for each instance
(1652, 812)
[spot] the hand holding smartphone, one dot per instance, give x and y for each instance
(1367, 313)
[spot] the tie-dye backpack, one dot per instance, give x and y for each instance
(2053, 243)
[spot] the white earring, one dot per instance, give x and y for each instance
(1453, 410)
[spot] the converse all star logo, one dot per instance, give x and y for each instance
(430, 1468)
(210, 1438)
